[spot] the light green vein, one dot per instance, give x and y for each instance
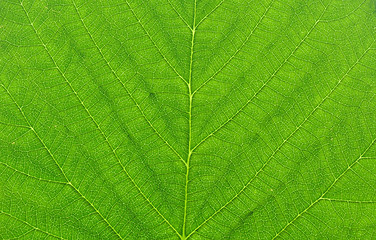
(180, 16)
(113, 150)
(237, 50)
(30, 225)
(322, 197)
(183, 235)
(56, 162)
(284, 142)
(274, 74)
(31, 176)
(210, 13)
(10, 124)
(347, 200)
(155, 44)
(22, 235)
(124, 86)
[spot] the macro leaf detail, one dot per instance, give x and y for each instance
(200, 119)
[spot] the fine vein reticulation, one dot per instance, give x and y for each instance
(198, 119)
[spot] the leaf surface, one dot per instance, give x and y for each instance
(201, 119)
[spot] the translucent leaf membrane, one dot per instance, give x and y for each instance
(171, 119)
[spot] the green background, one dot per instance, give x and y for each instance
(177, 119)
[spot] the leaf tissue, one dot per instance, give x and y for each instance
(187, 119)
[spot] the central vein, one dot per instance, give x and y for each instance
(190, 93)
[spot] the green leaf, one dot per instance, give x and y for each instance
(177, 119)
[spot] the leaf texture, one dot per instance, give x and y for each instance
(199, 119)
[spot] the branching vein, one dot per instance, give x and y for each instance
(34, 228)
(125, 88)
(283, 143)
(99, 129)
(237, 50)
(190, 151)
(322, 197)
(263, 85)
(154, 43)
